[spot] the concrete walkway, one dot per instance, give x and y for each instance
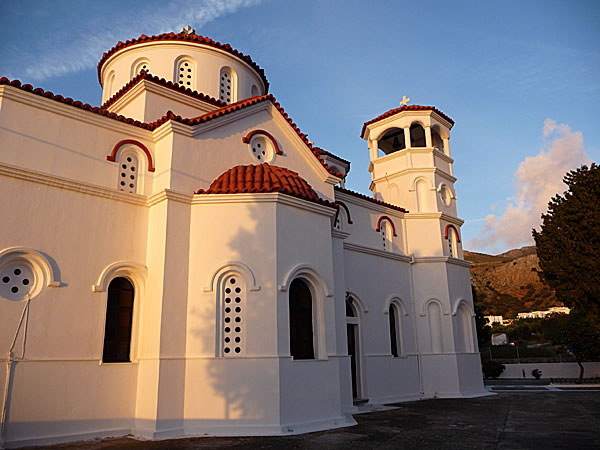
(509, 420)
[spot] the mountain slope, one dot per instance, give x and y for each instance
(508, 283)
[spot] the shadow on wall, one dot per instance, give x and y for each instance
(248, 386)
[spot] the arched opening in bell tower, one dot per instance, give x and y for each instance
(417, 135)
(391, 141)
(436, 138)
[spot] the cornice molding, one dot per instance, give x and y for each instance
(266, 197)
(435, 215)
(417, 170)
(70, 185)
(376, 252)
(168, 194)
(367, 204)
(89, 117)
(443, 259)
(339, 234)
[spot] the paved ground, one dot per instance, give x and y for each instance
(509, 420)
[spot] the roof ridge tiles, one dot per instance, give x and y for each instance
(370, 199)
(145, 75)
(393, 111)
(75, 103)
(264, 178)
(179, 37)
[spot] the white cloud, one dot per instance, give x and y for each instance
(537, 179)
(84, 48)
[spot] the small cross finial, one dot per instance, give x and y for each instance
(404, 101)
(187, 30)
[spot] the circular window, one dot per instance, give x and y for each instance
(446, 195)
(261, 149)
(17, 280)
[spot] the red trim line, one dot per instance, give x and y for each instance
(113, 154)
(246, 140)
(192, 39)
(370, 199)
(343, 205)
(455, 230)
(381, 219)
(143, 75)
(391, 112)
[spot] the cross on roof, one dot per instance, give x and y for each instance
(187, 30)
(404, 101)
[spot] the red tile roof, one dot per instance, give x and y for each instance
(143, 75)
(192, 38)
(77, 104)
(370, 199)
(241, 105)
(172, 116)
(264, 178)
(391, 112)
(322, 151)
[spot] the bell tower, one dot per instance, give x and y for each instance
(411, 166)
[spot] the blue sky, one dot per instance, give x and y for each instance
(521, 79)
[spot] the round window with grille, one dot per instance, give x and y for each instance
(17, 280)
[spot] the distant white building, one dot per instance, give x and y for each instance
(493, 319)
(183, 261)
(499, 339)
(542, 314)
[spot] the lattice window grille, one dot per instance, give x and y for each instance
(232, 324)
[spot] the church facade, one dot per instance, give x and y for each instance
(183, 261)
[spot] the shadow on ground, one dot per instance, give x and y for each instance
(536, 420)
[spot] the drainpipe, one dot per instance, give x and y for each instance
(9, 361)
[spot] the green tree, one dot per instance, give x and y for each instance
(581, 335)
(568, 244)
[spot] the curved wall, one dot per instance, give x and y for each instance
(163, 60)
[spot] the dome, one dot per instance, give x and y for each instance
(263, 178)
(195, 62)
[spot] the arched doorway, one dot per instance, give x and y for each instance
(352, 332)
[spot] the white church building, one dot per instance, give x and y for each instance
(183, 261)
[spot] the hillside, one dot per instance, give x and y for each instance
(508, 283)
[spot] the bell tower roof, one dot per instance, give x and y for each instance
(404, 108)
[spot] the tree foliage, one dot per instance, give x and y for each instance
(568, 244)
(581, 335)
(484, 333)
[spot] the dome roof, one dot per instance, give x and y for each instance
(185, 38)
(263, 178)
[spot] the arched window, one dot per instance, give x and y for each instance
(417, 135)
(119, 319)
(340, 218)
(227, 85)
(139, 65)
(465, 333)
(453, 240)
(301, 321)
(434, 313)
(395, 341)
(184, 73)
(261, 148)
(233, 295)
(254, 91)
(385, 229)
(110, 84)
(128, 172)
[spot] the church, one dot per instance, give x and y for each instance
(183, 261)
